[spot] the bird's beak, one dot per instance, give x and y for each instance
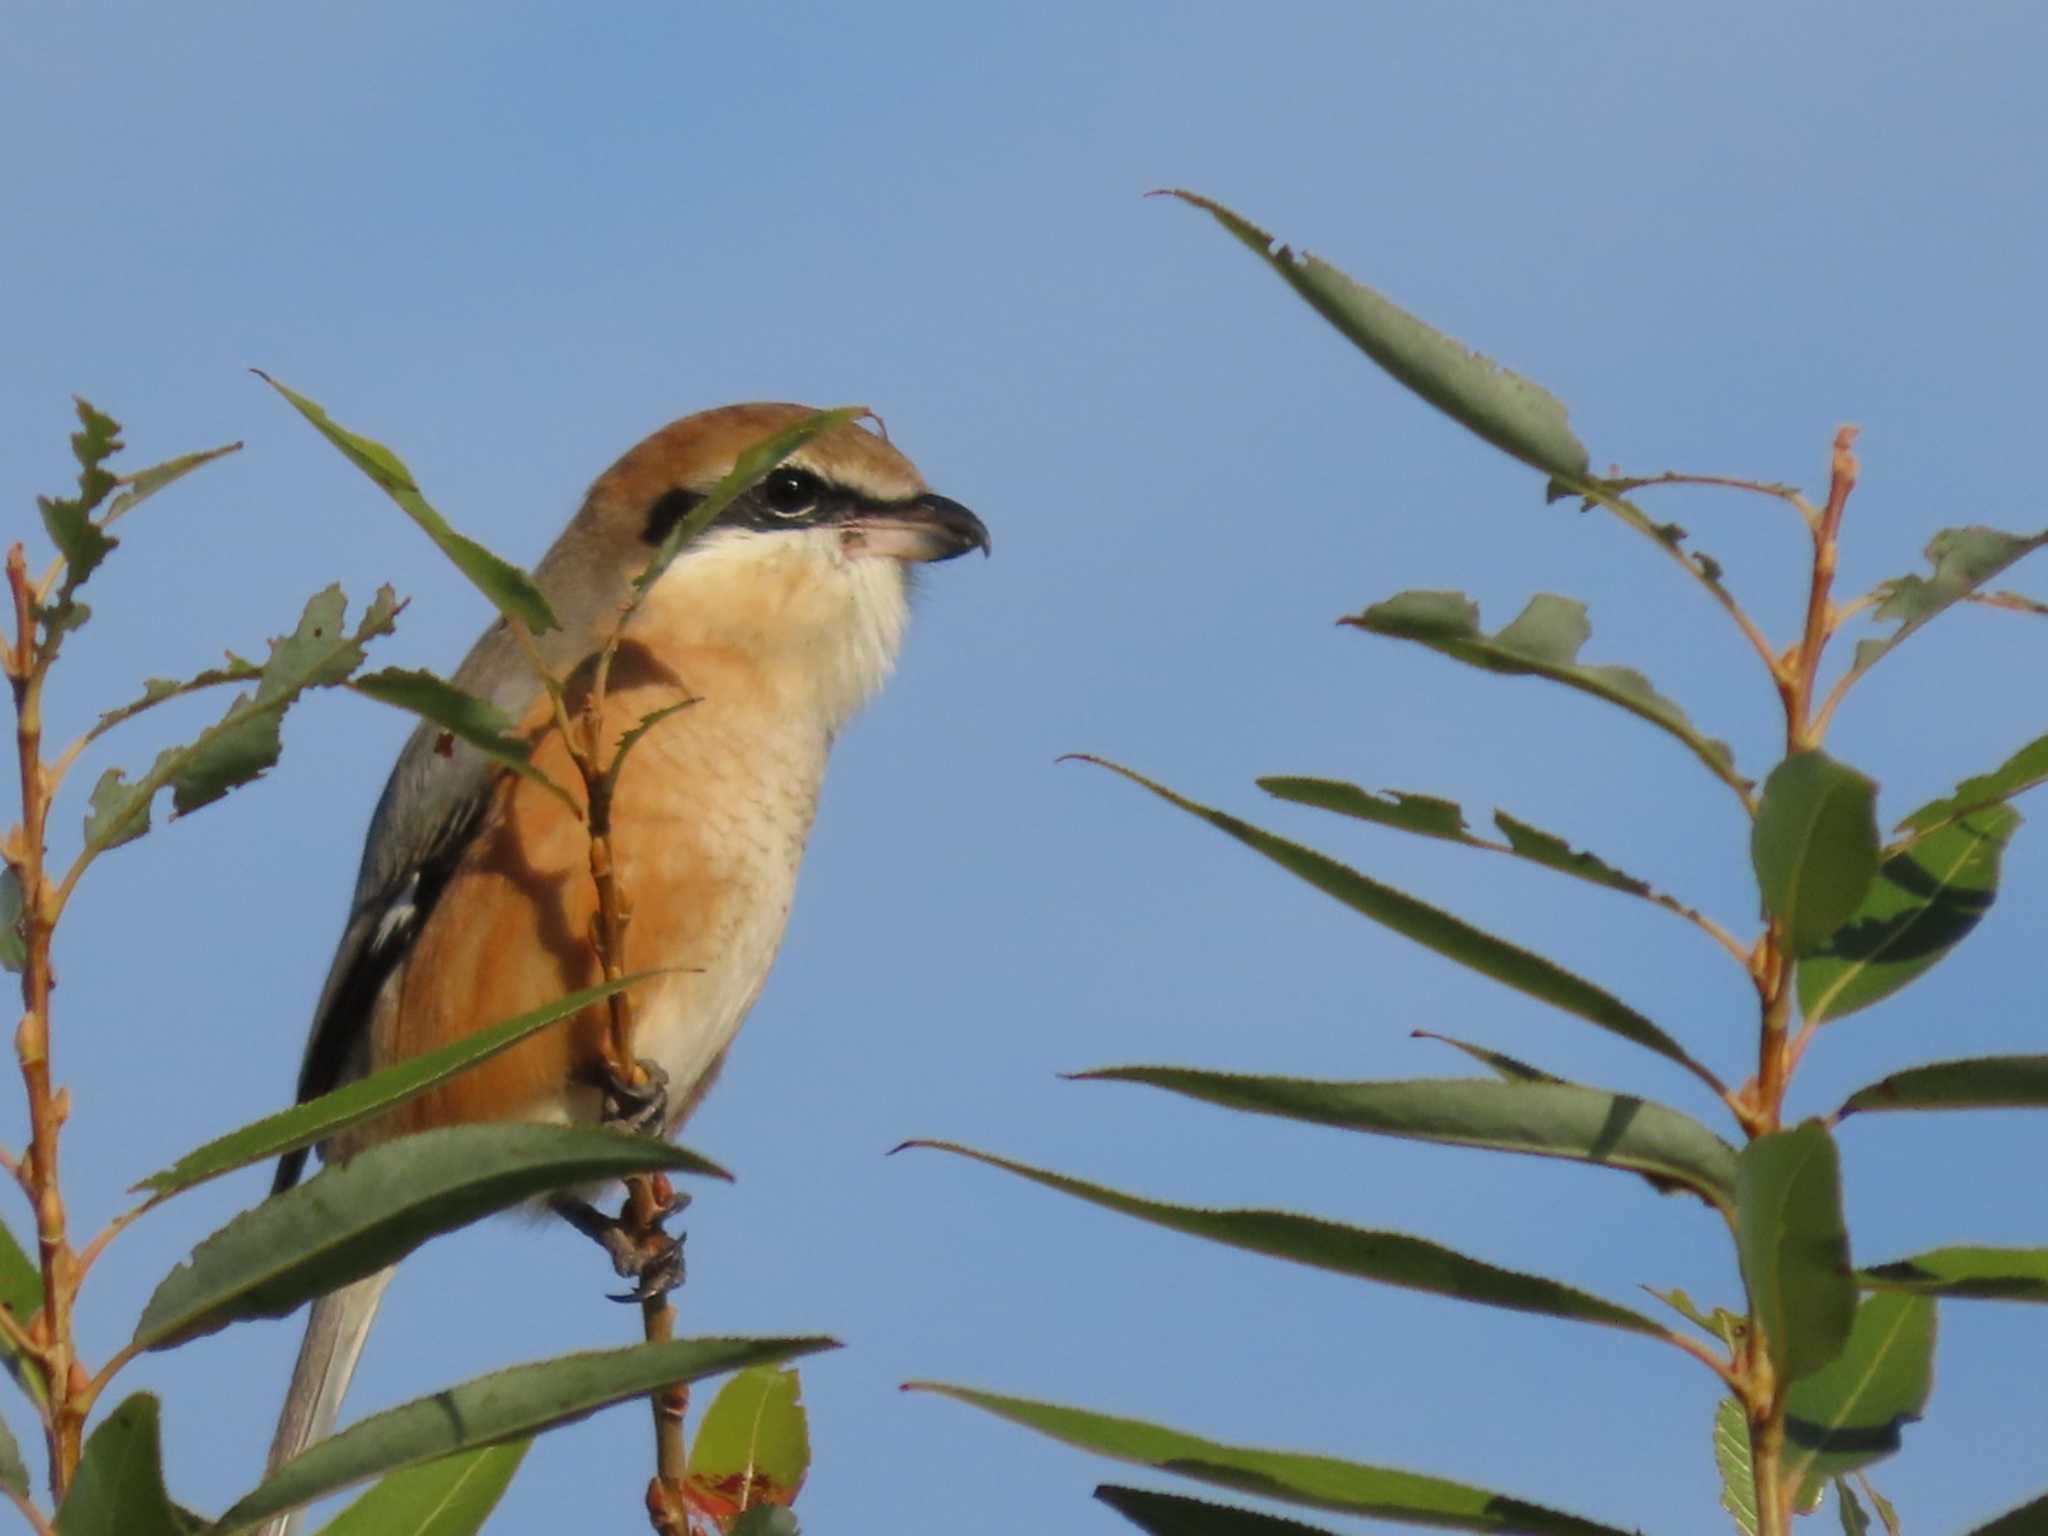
(930, 528)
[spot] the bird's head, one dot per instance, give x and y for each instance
(807, 572)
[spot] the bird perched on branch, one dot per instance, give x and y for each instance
(475, 900)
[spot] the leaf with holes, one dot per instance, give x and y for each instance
(1963, 560)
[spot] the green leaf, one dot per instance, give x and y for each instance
(145, 483)
(1982, 1082)
(2022, 771)
(1427, 816)
(13, 1470)
(1510, 1069)
(352, 1221)
(1719, 1323)
(510, 590)
(13, 947)
(753, 1446)
(156, 690)
(1963, 560)
(1516, 415)
(449, 1497)
(1391, 1258)
(765, 1520)
(1794, 1248)
(1731, 1455)
(1883, 1506)
(68, 519)
(1318, 1482)
(506, 1405)
(1435, 929)
(244, 742)
(119, 1490)
(477, 721)
(1854, 1521)
(1977, 1273)
(1926, 899)
(1850, 1413)
(2028, 1520)
(317, 1119)
(1562, 1120)
(1543, 642)
(1173, 1514)
(21, 1292)
(1814, 846)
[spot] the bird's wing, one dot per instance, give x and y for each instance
(428, 813)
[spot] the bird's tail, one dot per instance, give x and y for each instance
(335, 1332)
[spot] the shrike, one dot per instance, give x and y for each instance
(474, 902)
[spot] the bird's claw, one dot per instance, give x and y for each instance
(641, 1252)
(642, 1106)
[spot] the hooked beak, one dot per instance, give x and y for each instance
(931, 528)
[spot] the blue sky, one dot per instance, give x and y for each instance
(511, 241)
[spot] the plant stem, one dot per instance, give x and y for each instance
(27, 666)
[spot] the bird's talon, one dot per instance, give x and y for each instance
(640, 1107)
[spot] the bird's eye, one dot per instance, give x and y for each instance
(790, 492)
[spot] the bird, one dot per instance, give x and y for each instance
(474, 901)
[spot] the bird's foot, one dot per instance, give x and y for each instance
(641, 1107)
(640, 1251)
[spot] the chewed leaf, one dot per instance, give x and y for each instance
(1544, 641)
(1963, 560)
(68, 519)
(244, 742)
(1516, 415)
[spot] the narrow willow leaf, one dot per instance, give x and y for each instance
(506, 1405)
(510, 590)
(1883, 1506)
(68, 519)
(753, 1445)
(1984, 1274)
(1731, 1456)
(1510, 1069)
(21, 1293)
(1794, 1248)
(1317, 1482)
(1516, 415)
(1814, 846)
(317, 1119)
(1854, 1521)
(145, 483)
(1963, 560)
(13, 1470)
(749, 469)
(1391, 1258)
(13, 947)
(1435, 929)
(477, 721)
(1428, 816)
(2022, 771)
(1563, 1120)
(1543, 642)
(450, 1497)
(1926, 899)
(2030, 1519)
(351, 1221)
(1173, 1514)
(1850, 1413)
(1982, 1082)
(119, 1489)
